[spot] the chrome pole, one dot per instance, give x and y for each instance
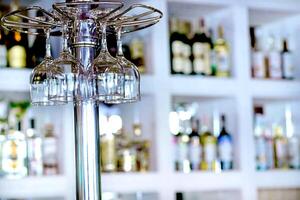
(86, 116)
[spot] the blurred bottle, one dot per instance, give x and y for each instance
(3, 48)
(187, 65)
(50, 151)
(138, 54)
(274, 60)
(195, 149)
(176, 46)
(108, 152)
(258, 57)
(2, 141)
(294, 152)
(209, 144)
(260, 142)
(34, 151)
(15, 153)
(213, 61)
(225, 148)
(183, 162)
(280, 147)
(222, 54)
(179, 196)
(17, 44)
(286, 61)
(201, 48)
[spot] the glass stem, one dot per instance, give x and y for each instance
(103, 38)
(119, 42)
(65, 38)
(48, 44)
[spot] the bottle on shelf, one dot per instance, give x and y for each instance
(14, 153)
(225, 149)
(179, 196)
(209, 144)
(176, 46)
(212, 59)
(280, 147)
(195, 149)
(260, 142)
(274, 58)
(3, 49)
(138, 54)
(257, 57)
(187, 65)
(286, 61)
(34, 151)
(2, 141)
(222, 54)
(108, 152)
(201, 48)
(17, 45)
(50, 151)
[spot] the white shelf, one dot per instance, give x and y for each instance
(14, 80)
(280, 179)
(34, 187)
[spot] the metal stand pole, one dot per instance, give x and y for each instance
(86, 118)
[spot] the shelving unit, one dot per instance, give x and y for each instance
(162, 87)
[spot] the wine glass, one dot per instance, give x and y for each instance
(107, 76)
(131, 73)
(68, 73)
(39, 78)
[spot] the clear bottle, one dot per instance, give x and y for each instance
(15, 154)
(222, 54)
(34, 150)
(274, 58)
(209, 145)
(257, 57)
(225, 149)
(2, 141)
(260, 142)
(50, 151)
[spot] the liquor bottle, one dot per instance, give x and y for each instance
(50, 156)
(17, 45)
(222, 54)
(3, 49)
(225, 148)
(176, 46)
(275, 69)
(213, 61)
(286, 62)
(195, 150)
(209, 144)
(2, 140)
(108, 152)
(260, 142)
(187, 49)
(201, 48)
(294, 152)
(138, 54)
(15, 154)
(142, 147)
(257, 57)
(38, 49)
(34, 151)
(280, 147)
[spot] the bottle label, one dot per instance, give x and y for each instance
(225, 149)
(17, 57)
(223, 61)
(177, 48)
(258, 61)
(275, 65)
(3, 56)
(288, 68)
(201, 52)
(187, 66)
(177, 64)
(50, 151)
(195, 151)
(210, 151)
(186, 51)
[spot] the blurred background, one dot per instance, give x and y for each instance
(219, 116)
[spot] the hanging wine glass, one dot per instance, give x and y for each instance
(131, 74)
(106, 75)
(73, 85)
(39, 78)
